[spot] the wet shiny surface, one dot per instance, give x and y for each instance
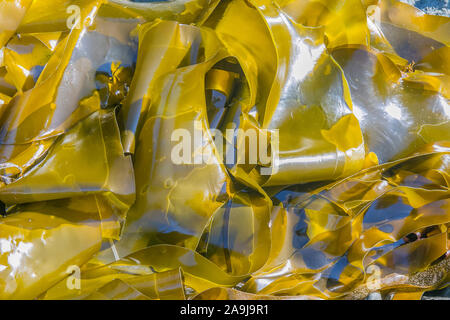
(356, 91)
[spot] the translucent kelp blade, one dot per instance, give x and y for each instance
(42, 241)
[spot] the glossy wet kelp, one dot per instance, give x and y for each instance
(352, 96)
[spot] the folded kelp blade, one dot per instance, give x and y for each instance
(153, 271)
(66, 172)
(301, 100)
(23, 66)
(48, 16)
(53, 104)
(342, 233)
(101, 38)
(330, 87)
(59, 211)
(11, 14)
(163, 46)
(175, 200)
(106, 283)
(186, 203)
(41, 241)
(233, 294)
(410, 287)
(323, 246)
(167, 113)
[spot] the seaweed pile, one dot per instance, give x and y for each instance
(348, 190)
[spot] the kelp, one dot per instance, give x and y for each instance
(346, 192)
